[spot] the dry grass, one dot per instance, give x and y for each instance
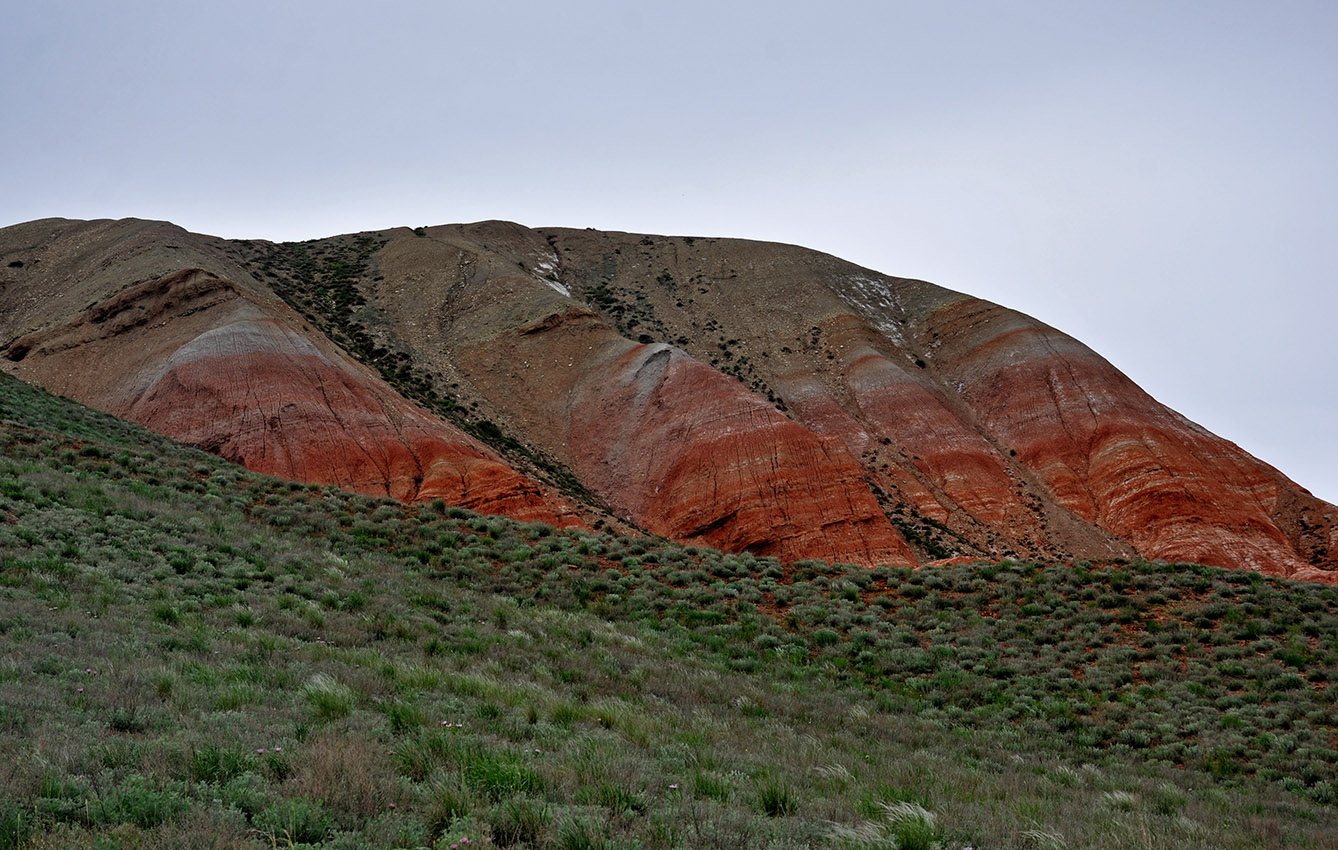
(345, 772)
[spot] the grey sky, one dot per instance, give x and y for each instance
(1159, 179)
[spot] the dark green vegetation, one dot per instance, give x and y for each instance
(320, 279)
(192, 655)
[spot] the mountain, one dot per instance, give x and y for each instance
(749, 396)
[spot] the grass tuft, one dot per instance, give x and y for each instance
(330, 699)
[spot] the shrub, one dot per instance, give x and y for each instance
(519, 819)
(448, 801)
(617, 799)
(348, 774)
(212, 763)
(911, 825)
(134, 801)
(565, 714)
(825, 637)
(1167, 800)
(777, 799)
(418, 756)
(402, 716)
(581, 834)
(168, 614)
(329, 698)
(710, 785)
(16, 825)
(295, 821)
(247, 793)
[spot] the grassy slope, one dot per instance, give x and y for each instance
(193, 655)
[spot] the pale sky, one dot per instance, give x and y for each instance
(1158, 179)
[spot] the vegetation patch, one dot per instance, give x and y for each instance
(195, 655)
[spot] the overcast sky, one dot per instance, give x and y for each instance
(1159, 179)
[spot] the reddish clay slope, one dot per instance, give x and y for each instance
(689, 454)
(917, 443)
(1013, 435)
(1110, 453)
(832, 343)
(662, 439)
(856, 404)
(192, 357)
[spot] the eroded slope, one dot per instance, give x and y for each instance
(209, 363)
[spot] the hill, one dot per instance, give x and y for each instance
(192, 654)
(755, 397)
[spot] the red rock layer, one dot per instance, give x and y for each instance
(190, 357)
(1110, 453)
(691, 455)
(951, 466)
(980, 431)
(829, 340)
(955, 468)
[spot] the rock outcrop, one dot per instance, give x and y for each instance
(1108, 452)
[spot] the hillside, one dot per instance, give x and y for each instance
(755, 397)
(192, 654)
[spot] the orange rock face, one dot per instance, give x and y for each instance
(835, 346)
(947, 465)
(189, 356)
(1006, 436)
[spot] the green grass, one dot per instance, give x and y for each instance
(194, 655)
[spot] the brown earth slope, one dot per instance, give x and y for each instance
(1016, 437)
(746, 395)
(198, 358)
(666, 442)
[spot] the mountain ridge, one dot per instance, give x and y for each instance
(752, 396)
